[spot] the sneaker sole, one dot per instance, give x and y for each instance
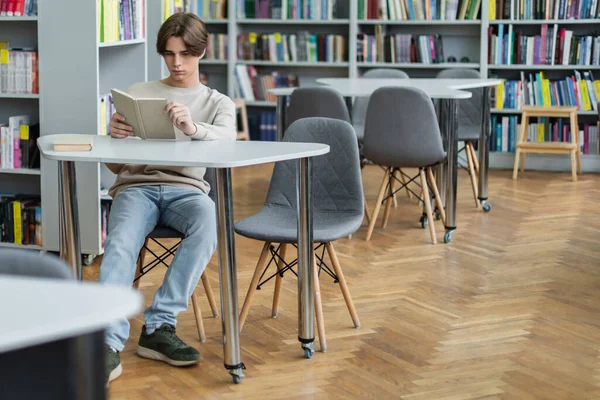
(114, 374)
(155, 355)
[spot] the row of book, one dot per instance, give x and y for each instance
(18, 70)
(301, 46)
(506, 129)
(399, 48)
(294, 9)
(107, 109)
(18, 8)
(536, 90)
(20, 220)
(205, 9)
(18, 148)
(263, 126)
(217, 47)
(403, 10)
(120, 20)
(251, 86)
(552, 46)
(542, 9)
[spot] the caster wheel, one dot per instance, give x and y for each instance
(487, 207)
(438, 216)
(236, 379)
(237, 374)
(423, 222)
(448, 236)
(88, 259)
(308, 353)
(309, 350)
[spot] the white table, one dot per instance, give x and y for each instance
(221, 155)
(46, 310)
(449, 92)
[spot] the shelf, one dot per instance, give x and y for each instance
(122, 43)
(546, 67)
(250, 21)
(215, 21)
(515, 111)
(213, 62)
(322, 64)
(20, 171)
(20, 246)
(419, 22)
(545, 21)
(416, 65)
(19, 96)
(260, 103)
(17, 19)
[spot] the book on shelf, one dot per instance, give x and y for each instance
(120, 20)
(205, 9)
(542, 9)
(20, 219)
(73, 143)
(217, 47)
(553, 46)
(18, 70)
(294, 10)
(18, 8)
(300, 46)
(263, 126)
(252, 86)
(400, 10)
(399, 48)
(18, 147)
(578, 89)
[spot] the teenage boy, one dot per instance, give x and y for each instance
(177, 197)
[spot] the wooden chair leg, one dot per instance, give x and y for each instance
(377, 205)
(343, 286)
(575, 139)
(574, 165)
(427, 201)
(140, 265)
(523, 158)
(474, 157)
(198, 315)
(278, 280)
(319, 308)
(438, 200)
(473, 177)
(260, 265)
(209, 295)
(367, 212)
(516, 166)
(388, 203)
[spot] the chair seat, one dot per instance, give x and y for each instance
(163, 232)
(279, 225)
(468, 132)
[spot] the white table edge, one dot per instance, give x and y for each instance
(457, 94)
(483, 82)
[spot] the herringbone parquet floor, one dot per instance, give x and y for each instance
(509, 310)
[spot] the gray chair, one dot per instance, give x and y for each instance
(160, 233)
(402, 131)
(337, 200)
(469, 122)
(33, 264)
(306, 102)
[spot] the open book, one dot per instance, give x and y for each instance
(146, 115)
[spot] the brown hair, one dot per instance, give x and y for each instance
(186, 26)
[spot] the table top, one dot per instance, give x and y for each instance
(187, 153)
(42, 310)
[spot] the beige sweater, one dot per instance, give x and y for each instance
(212, 112)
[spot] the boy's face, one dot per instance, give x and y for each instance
(181, 64)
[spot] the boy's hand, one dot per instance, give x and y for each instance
(119, 128)
(181, 118)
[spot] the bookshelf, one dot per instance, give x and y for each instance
(76, 70)
(20, 183)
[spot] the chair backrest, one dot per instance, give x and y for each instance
(359, 109)
(308, 102)
(469, 111)
(336, 179)
(401, 129)
(33, 264)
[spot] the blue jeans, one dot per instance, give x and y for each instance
(134, 214)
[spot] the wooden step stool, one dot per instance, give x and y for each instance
(523, 146)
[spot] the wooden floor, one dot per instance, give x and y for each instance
(509, 310)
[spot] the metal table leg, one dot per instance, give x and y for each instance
(280, 112)
(450, 123)
(484, 151)
(306, 290)
(68, 217)
(227, 277)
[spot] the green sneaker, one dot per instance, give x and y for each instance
(113, 365)
(164, 345)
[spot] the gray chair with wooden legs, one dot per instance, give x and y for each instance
(306, 102)
(337, 201)
(163, 232)
(469, 122)
(402, 131)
